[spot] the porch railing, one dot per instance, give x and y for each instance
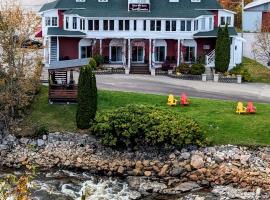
(210, 59)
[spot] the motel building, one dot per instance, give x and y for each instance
(138, 35)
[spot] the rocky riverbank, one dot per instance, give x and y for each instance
(168, 172)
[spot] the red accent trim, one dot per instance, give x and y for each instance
(215, 13)
(69, 48)
(266, 20)
(205, 41)
(61, 19)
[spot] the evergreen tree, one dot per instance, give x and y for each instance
(87, 97)
(227, 48)
(222, 58)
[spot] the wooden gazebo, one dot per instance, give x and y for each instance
(63, 80)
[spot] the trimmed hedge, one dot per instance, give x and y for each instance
(183, 68)
(139, 125)
(197, 69)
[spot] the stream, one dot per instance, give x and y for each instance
(69, 185)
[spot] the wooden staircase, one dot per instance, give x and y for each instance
(139, 69)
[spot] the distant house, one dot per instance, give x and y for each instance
(256, 15)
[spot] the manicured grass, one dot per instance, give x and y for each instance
(216, 117)
(259, 73)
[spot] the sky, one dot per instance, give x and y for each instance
(32, 4)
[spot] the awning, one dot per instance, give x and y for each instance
(214, 33)
(55, 65)
(55, 31)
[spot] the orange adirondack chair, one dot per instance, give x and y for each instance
(251, 108)
(184, 100)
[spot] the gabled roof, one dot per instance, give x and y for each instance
(214, 33)
(119, 8)
(256, 3)
(56, 31)
(68, 63)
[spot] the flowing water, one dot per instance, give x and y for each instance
(67, 185)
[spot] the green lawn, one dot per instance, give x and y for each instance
(217, 117)
(259, 73)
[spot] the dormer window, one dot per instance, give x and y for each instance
(139, 5)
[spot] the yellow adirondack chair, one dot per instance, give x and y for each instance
(240, 109)
(171, 100)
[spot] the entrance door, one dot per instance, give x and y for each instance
(138, 54)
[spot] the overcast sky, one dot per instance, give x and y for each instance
(33, 4)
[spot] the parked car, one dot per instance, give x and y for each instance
(31, 44)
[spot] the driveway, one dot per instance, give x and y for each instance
(164, 85)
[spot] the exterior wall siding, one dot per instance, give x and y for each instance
(266, 19)
(205, 41)
(68, 48)
(252, 21)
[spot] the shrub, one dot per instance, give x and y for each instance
(138, 125)
(183, 69)
(87, 97)
(197, 69)
(99, 59)
(240, 70)
(92, 63)
(40, 129)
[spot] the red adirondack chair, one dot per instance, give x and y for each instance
(251, 108)
(184, 100)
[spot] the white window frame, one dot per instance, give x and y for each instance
(165, 53)
(110, 53)
(54, 21)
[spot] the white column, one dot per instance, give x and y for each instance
(124, 59)
(100, 47)
(129, 53)
(153, 53)
(178, 52)
(150, 54)
(49, 49)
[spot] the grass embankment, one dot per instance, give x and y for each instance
(216, 117)
(258, 72)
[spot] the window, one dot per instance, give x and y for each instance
(74, 22)
(190, 54)
(196, 25)
(183, 25)
(160, 54)
(135, 25)
(90, 25)
(123, 25)
(86, 51)
(158, 25)
(203, 24)
(168, 25)
(171, 25)
(82, 24)
(188, 25)
(105, 25)
(210, 23)
(47, 21)
(96, 22)
(152, 25)
(67, 22)
(144, 25)
(116, 54)
(111, 25)
(127, 25)
(229, 21)
(155, 25)
(54, 21)
(222, 21)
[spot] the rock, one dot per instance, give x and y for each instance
(172, 156)
(134, 195)
(163, 170)
(187, 186)
(3, 147)
(24, 141)
(176, 171)
(228, 192)
(152, 186)
(185, 155)
(244, 159)
(79, 160)
(147, 173)
(44, 137)
(219, 157)
(40, 142)
(121, 170)
(197, 162)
